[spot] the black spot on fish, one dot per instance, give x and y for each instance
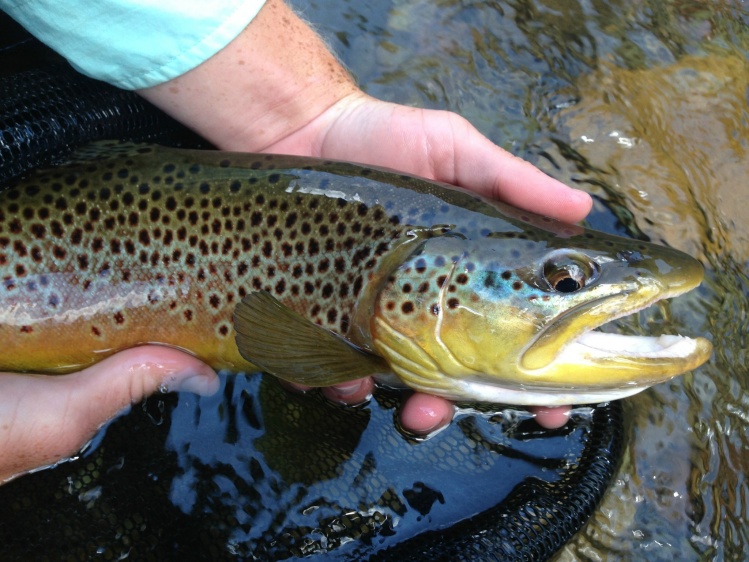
(490, 280)
(20, 248)
(453, 303)
(359, 256)
(38, 230)
(343, 290)
(345, 323)
(407, 307)
(313, 248)
(280, 287)
(327, 290)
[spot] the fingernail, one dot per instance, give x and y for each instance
(201, 384)
(347, 389)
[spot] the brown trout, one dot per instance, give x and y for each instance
(319, 272)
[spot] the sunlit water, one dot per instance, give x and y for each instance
(644, 105)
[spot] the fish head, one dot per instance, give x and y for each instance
(510, 316)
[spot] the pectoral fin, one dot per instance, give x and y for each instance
(287, 345)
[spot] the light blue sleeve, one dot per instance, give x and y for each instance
(134, 43)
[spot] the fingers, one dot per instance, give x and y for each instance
(47, 418)
(423, 414)
(130, 375)
(474, 162)
(443, 146)
(351, 393)
(551, 417)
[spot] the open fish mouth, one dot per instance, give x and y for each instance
(600, 347)
(595, 359)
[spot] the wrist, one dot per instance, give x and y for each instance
(276, 78)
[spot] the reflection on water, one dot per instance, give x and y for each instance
(644, 105)
(256, 473)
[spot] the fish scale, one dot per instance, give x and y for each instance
(109, 250)
(320, 272)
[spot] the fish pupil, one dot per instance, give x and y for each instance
(567, 285)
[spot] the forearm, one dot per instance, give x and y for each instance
(274, 79)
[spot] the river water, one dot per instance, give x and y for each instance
(644, 104)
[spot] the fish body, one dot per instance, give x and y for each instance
(319, 272)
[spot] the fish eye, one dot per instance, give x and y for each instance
(567, 273)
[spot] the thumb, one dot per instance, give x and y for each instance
(44, 419)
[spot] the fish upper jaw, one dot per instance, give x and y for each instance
(601, 364)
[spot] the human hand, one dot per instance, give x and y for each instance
(47, 418)
(265, 93)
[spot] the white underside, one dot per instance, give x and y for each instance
(491, 392)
